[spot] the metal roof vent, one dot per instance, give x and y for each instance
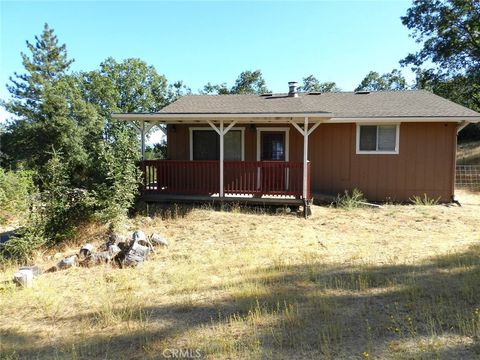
(292, 89)
(362, 92)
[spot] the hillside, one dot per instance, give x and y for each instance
(468, 153)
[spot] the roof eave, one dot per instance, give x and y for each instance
(160, 117)
(399, 119)
(325, 117)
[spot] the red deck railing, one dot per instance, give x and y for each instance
(274, 178)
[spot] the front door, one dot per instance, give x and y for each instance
(272, 146)
(272, 152)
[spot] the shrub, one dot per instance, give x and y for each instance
(424, 201)
(55, 211)
(16, 187)
(24, 242)
(119, 177)
(61, 206)
(349, 201)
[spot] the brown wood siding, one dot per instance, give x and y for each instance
(425, 163)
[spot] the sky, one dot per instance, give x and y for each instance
(200, 42)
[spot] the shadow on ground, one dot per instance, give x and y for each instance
(167, 211)
(306, 311)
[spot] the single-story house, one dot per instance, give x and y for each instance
(285, 148)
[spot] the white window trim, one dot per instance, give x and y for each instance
(192, 129)
(286, 130)
(376, 152)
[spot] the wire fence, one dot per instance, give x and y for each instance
(467, 177)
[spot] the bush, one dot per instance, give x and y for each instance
(349, 201)
(119, 177)
(65, 200)
(424, 201)
(55, 211)
(23, 243)
(16, 188)
(61, 206)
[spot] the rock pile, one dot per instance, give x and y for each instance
(118, 250)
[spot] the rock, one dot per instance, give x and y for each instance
(138, 235)
(86, 250)
(113, 250)
(124, 246)
(102, 257)
(51, 269)
(24, 278)
(116, 239)
(67, 262)
(34, 269)
(156, 239)
(136, 254)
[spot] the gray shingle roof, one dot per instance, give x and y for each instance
(412, 103)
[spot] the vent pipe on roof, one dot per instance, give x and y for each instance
(292, 89)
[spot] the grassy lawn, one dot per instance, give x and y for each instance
(393, 283)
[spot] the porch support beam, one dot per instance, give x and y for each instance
(221, 158)
(221, 132)
(212, 125)
(305, 132)
(295, 125)
(142, 130)
(163, 129)
(229, 127)
(305, 158)
(313, 128)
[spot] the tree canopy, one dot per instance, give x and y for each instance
(48, 61)
(448, 62)
(248, 82)
(449, 32)
(85, 163)
(312, 84)
(50, 110)
(373, 81)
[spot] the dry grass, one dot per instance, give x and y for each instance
(393, 283)
(468, 153)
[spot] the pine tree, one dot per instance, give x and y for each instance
(48, 63)
(50, 111)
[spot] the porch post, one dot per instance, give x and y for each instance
(142, 136)
(221, 158)
(221, 133)
(142, 131)
(305, 157)
(306, 133)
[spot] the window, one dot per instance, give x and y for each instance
(232, 145)
(273, 146)
(377, 139)
(273, 143)
(205, 144)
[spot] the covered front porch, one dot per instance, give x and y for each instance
(213, 169)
